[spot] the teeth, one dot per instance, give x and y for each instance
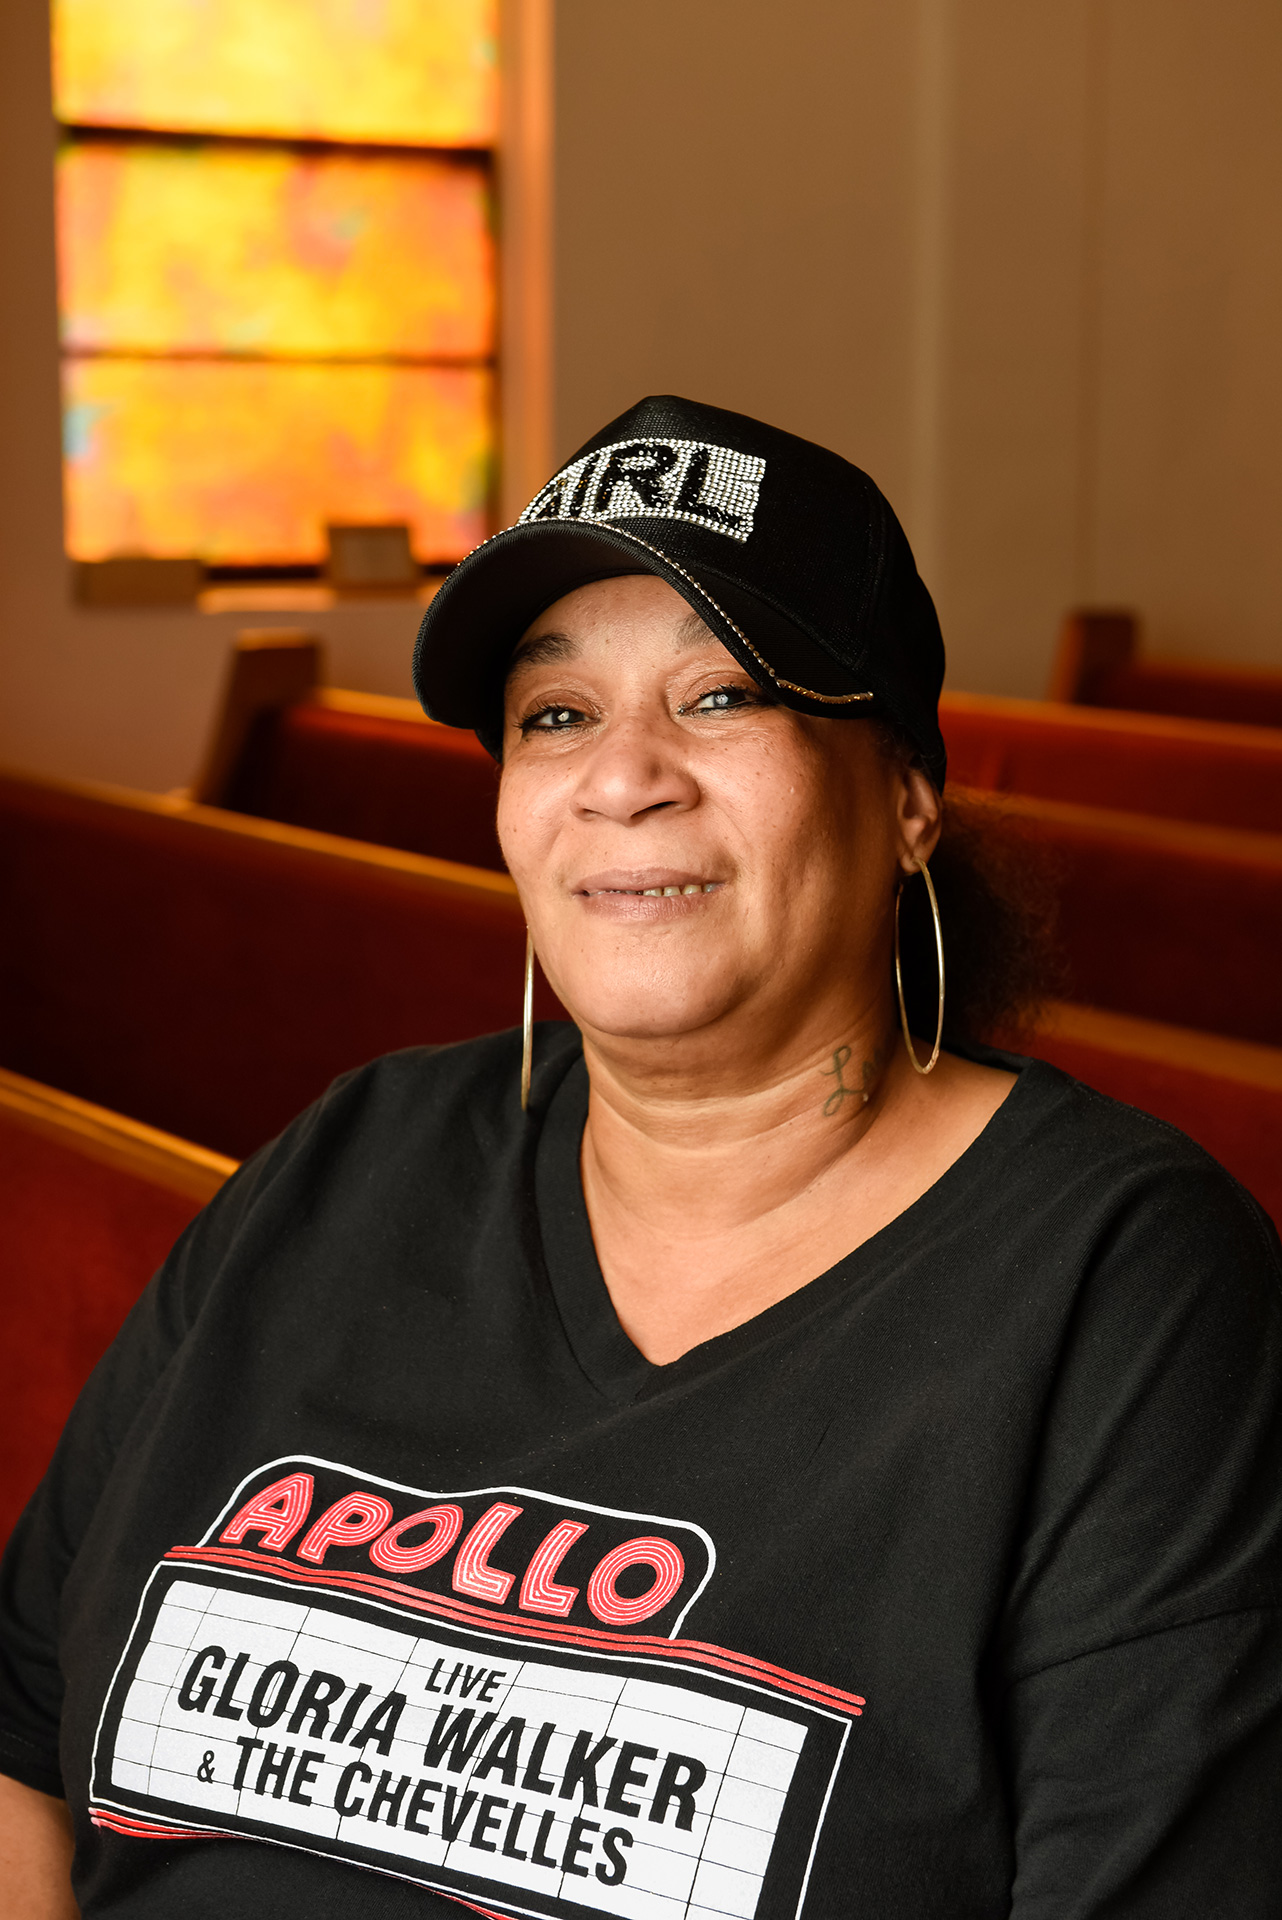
(662, 893)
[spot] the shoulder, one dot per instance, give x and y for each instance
(1160, 1251)
(427, 1090)
(1154, 1498)
(1084, 1152)
(406, 1143)
(423, 1114)
(1119, 1226)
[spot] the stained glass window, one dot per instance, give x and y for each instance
(395, 72)
(295, 325)
(245, 249)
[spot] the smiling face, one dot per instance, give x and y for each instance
(695, 859)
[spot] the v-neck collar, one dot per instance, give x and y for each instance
(601, 1347)
(609, 1359)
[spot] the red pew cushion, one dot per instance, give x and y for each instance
(1170, 921)
(400, 783)
(211, 975)
(1200, 692)
(79, 1241)
(1181, 769)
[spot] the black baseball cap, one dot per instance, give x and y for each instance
(790, 555)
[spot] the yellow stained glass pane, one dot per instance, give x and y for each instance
(243, 462)
(420, 72)
(242, 249)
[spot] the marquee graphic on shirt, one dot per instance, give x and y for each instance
(484, 1693)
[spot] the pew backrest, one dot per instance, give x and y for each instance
(90, 1204)
(371, 768)
(1200, 770)
(365, 766)
(269, 668)
(1164, 919)
(1099, 664)
(211, 973)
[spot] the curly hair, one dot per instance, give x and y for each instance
(997, 893)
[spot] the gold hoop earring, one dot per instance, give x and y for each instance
(933, 1062)
(527, 1022)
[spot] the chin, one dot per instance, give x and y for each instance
(643, 1010)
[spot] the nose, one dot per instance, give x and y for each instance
(635, 770)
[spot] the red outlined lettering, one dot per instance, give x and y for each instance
(611, 1607)
(276, 1513)
(539, 1590)
(351, 1521)
(472, 1572)
(446, 1523)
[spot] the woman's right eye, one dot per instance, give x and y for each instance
(552, 720)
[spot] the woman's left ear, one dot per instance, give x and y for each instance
(921, 818)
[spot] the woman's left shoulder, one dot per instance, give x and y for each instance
(1153, 1195)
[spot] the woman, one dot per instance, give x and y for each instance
(763, 1465)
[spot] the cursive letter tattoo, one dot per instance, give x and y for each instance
(841, 1091)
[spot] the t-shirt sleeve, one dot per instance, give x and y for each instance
(48, 1535)
(1139, 1664)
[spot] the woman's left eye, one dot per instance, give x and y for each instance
(719, 700)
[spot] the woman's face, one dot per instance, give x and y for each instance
(688, 853)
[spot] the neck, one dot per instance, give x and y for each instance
(699, 1154)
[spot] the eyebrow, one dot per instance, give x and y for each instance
(545, 648)
(691, 630)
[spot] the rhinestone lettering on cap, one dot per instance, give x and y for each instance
(713, 487)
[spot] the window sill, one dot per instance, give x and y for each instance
(305, 596)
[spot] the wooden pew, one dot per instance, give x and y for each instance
(90, 1204)
(362, 765)
(211, 974)
(1176, 922)
(1200, 770)
(376, 769)
(1099, 664)
(1163, 919)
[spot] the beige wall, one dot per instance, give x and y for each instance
(1020, 261)
(1186, 501)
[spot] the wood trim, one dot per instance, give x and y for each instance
(159, 1158)
(1121, 723)
(1238, 675)
(418, 870)
(372, 706)
(526, 40)
(1092, 641)
(269, 667)
(1124, 1033)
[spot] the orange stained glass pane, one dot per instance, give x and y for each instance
(243, 462)
(237, 249)
(418, 72)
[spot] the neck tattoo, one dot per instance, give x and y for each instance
(841, 1092)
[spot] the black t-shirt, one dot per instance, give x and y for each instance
(947, 1586)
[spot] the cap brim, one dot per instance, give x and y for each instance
(484, 606)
